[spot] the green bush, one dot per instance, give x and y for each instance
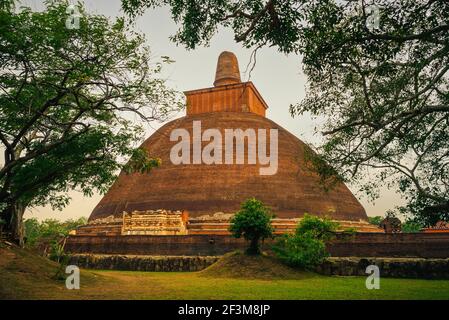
(411, 226)
(375, 220)
(306, 248)
(302, 251)
(253, 222)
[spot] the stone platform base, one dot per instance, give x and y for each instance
(389, 267)
(162, 222)
(142, 263)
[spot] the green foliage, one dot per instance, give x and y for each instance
(375, 220)
(384, 93)
(7, 5)
(319, 228)
(56, 252)
(300, 250)
(72, 104)
(410, 226)
(253, 223)
(141, 162)
(32, 231)
(422, 213)
(251, 20)
(306, 248)
(49, 230)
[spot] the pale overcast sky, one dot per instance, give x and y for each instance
(278, 77)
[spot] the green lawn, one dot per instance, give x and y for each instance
(139, 285)
(25, 275)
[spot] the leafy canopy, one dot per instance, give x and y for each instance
(72, 103)
(253, 223)
(383, 91)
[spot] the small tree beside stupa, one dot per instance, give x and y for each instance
(253, 223)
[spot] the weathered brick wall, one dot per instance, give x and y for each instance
(193, 245)
(424, 245)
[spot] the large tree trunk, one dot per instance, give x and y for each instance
(14, 222)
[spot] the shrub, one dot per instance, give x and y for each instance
(253, 222)
(303, 251)
(306, 248)
(411, 226)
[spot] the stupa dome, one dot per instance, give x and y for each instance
(204, 189)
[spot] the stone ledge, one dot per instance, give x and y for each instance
(142, 262)
(389, 267)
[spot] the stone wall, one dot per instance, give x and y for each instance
(337, 266)
(192, 245)
(389, 267)
(142, 263)
(424, 245)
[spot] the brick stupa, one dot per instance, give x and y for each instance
(209, 194)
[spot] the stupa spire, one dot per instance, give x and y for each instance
(227, 69)
(229, 93)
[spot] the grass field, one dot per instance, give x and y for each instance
(23, 275)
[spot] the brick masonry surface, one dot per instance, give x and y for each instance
(423, 245)
(206, 189)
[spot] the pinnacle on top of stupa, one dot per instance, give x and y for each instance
(227, 69)
(229, 93)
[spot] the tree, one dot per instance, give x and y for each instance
(49, 229)
(68, 97)
(384, 89)
(253, 222)
(306, 248)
